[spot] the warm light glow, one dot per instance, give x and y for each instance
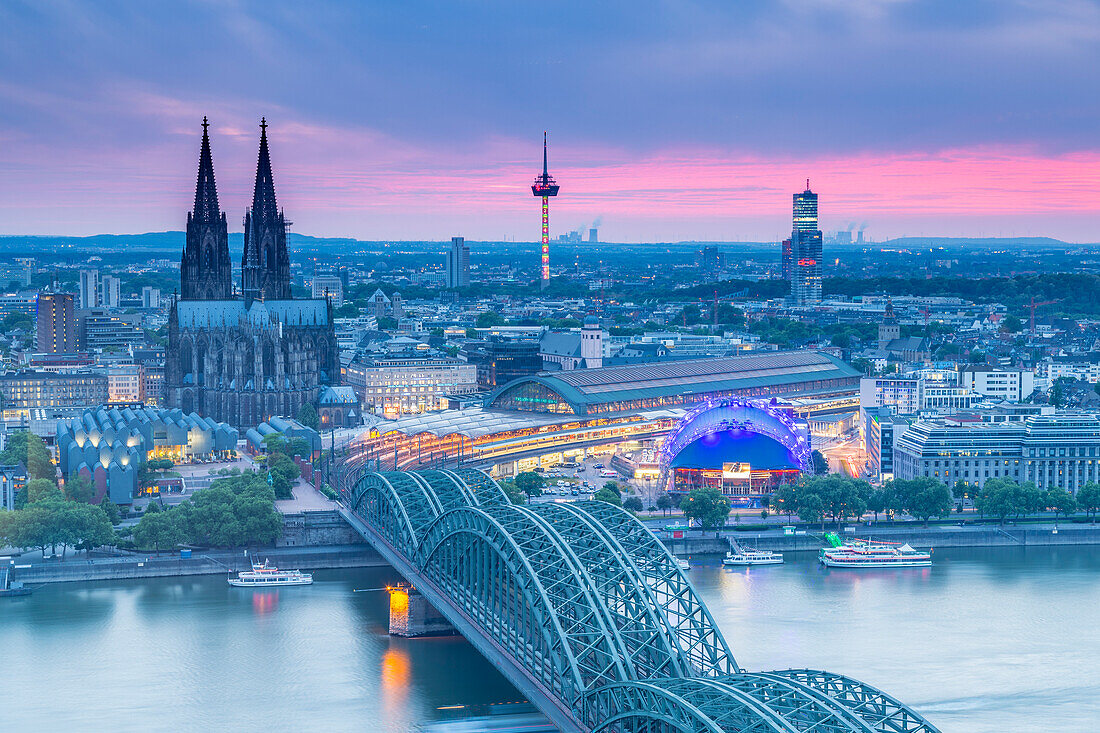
(399, 600)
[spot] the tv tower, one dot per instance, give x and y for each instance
(545, 186)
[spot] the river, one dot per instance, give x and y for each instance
(987, 641)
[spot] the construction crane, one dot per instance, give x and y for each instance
(1033, 305)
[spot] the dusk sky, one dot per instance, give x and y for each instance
(668, 120)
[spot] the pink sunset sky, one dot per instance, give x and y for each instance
(690, 123)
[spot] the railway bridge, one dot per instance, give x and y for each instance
(584, 610)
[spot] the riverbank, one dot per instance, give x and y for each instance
(933, 536)
(77, 568)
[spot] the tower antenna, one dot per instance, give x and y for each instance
(544, 187)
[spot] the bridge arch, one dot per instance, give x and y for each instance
(397, 505)
(512, 588)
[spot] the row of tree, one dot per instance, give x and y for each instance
(236, 511)
(1002, 498)
(838, 498)
(54, 521)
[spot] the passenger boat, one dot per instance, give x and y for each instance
(682, 564)
(267, 576)
(746, 556)
(871, 554)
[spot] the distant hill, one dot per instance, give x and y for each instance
(974, 243)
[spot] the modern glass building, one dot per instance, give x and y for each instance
(806, 251)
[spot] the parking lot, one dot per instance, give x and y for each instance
(577, 480)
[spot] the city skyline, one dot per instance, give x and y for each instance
(417, 123)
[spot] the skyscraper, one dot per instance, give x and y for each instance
(788, 260)
(109, 291)
(805, 264)
(89, 289)
(458, 264)
(56, 323)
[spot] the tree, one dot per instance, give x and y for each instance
(488, 319)
(90, 526)
(40, 489)
(79, 488)
(613, 486)
(1061, 501)
(632, 503)
(876, 502)
(530, 483)
(515, 495)
(996, 498)
(27, 448)
(811, 509)
(1011, 324)
(707, 506)
(607, 495)
(821, 465)
(664, 503)
(159, 530)
(783, 501)
(925, 498)
(114, 516)
(308, 416)
(275, 443)
(1088, 499)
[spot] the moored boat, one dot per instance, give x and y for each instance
(873, 554)
(266, 576)
(747, 556)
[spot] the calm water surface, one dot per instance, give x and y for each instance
(987, 641)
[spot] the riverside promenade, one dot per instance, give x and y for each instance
(936, 535)
(31, 568)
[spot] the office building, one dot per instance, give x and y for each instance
(1013, 385)
(1085, 367)
(89, 289)
(1054, 450)
(97, 329)
(329, 286)
(458, 264)
(805, 250)
(56, 323)
(499, 361)
(110, 291)
(787, 260)
(150, 297)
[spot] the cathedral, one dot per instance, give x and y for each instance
(242, 358)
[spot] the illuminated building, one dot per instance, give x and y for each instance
(744, 448)
(544, 187)
(805, 267)
(552, 416)
(406, 385)
(108, 446)
(56, 323)
(610, 390)
(28, 390)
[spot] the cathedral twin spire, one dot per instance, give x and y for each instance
(205, 269)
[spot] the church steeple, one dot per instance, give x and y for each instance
(205, 270)
(265, 265)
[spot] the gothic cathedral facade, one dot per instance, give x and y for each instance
(242, 358)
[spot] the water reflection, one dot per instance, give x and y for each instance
(264, 602)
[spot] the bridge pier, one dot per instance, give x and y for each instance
(412, 615)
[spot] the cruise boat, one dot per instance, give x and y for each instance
(682, 563)
(267, 576)
(746, 556)
(871, 554)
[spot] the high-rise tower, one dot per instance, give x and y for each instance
(544, 187)
(205, 270)
(265, 265)
(805, 264)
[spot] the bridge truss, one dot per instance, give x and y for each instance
(587, 613)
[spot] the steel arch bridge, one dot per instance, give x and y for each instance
(588, 614)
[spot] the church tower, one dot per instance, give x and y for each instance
(205, 269)
(265, 266)
(889, 329)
